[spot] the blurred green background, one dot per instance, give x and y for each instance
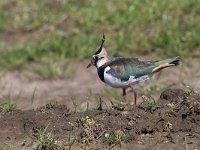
(44, 33)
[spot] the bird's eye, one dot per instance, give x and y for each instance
(101, 58)
(94, 60)
(95, 57)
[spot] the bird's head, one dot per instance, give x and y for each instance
(100, 57)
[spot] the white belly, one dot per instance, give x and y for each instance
(117, 83)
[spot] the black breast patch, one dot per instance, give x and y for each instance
(100, 72)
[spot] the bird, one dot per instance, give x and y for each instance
(124, 72)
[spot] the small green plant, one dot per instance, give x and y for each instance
(75, 105)
(33, 96)
(100, 105)
(90, 126)
(86, 121)
(113, 139)
(45, 140)
(190, 92)
(171, 105)
(85, 143)
(168, 126)
(8, 105)
(153, 106)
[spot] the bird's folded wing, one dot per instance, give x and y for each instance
(123, 68)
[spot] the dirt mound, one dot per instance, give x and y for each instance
(171, 122)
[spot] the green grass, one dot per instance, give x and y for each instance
(113, 139)
(51, 31)
(45, 140)
(153, 106)
(8, 105)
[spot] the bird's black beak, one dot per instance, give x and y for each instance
(89, 65)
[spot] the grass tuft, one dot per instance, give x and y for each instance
(153, 106)
(100, 105)
(113, 139)
(45, 140)
(8, 105)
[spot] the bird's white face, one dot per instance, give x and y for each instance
(100, 57)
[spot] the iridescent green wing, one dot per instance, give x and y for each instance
(123, 68)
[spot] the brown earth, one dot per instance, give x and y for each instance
(172, 124)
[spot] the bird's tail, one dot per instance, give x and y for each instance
(166, 63)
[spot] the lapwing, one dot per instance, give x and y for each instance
(123, 72)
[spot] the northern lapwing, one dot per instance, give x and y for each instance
(123, 72)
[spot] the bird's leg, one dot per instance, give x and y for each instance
(124, 92)
(135, 95)
(124, 112)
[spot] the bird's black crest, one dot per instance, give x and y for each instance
(176, 61)
(102, 42)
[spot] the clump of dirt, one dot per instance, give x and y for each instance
(173, 95)
(171, 122)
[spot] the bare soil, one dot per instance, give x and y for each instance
(169, 126)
